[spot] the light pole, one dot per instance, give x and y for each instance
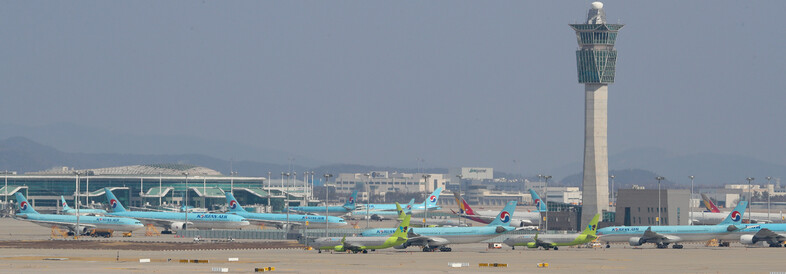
(305, 188)
(659, 178)
(87, 188)
(368, 200)
(459, 206)
(286, 196)
(268, 189)
(612, 191)
(425, 204)
(750, 196)
(232, 182)
(327, 177)
(76, 204)
(160, 193)
(768, 197)
(546, 199)
(5, 204)
(690, 205)
(185, 203)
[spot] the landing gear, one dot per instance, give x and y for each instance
(724, 244)
(445, 249)
(608, 245)
(427, 249)
(166, 232)
(776, 245)
(514, 247)
(365, 251)
(676, 246)
(662, 245)
(556, 248)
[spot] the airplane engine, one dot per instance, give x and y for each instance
(532, 245)
(748, 240)
(339, 248)
(635, 241)
(177, 225)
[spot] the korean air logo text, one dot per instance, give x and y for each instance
(233, 204)
(23, 205)
(504, 217)
(113, 203)
(432, 199)
(735, 216)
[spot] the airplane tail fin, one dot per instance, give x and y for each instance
(350, 204)
(432, 199)
(540, 206)
(24, 206)
(401, 213)
(504, 216)
(592, 227)
(234, 206)
(709, 204)
(467, 210)
(113, 202)
(403, 228)
(458, 202)
(63, 203)
(735, 217)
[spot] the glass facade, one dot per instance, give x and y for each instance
(596, 58)
(596, 66)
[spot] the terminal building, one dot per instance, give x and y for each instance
(151, 186)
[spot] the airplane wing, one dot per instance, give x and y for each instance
(160, 222)
(277, 224)
(70, 226)
(657, 238)
(427, 241)
(764, 235)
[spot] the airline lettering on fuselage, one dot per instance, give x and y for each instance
(312, 218)
(108, 220)
(211, 216)
(386, 231)
(625, 229)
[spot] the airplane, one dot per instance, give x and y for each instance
(433, 238)
(86, 223)
(363, 244)
(547, 241)
(430, 202)
(521, 219)
(280, 220)
(345, 209)
(176, 220)
(662, 236)
(82, 211)
(715, 215)
(381, 215)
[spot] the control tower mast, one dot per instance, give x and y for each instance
(595, 60)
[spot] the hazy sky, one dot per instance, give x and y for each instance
(457, 83)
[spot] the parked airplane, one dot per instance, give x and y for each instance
(430, 202)
(433, 238)
(363, 244)
(715, 215)
(662, 236)
(280, 220)
(547, 241)
(520, 219)
(176, 220)
(86, 223)
(345, 209)
(82, 211)
(381, 215)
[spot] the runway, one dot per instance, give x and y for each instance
(694, 258)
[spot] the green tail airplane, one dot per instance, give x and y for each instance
(363, 244)
(549, 241)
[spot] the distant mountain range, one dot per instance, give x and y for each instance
(85, 147)
(24, 155)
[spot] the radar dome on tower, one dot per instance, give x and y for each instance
(597, 5)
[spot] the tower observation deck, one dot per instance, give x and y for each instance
(596, 61)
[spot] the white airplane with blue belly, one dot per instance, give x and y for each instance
(662, 236)
(82, 211)
(86, 223)
(280, 220)
(176, 220)
(433, 238)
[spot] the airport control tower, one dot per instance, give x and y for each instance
(595, 61)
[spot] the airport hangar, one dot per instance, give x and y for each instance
(153, 186)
